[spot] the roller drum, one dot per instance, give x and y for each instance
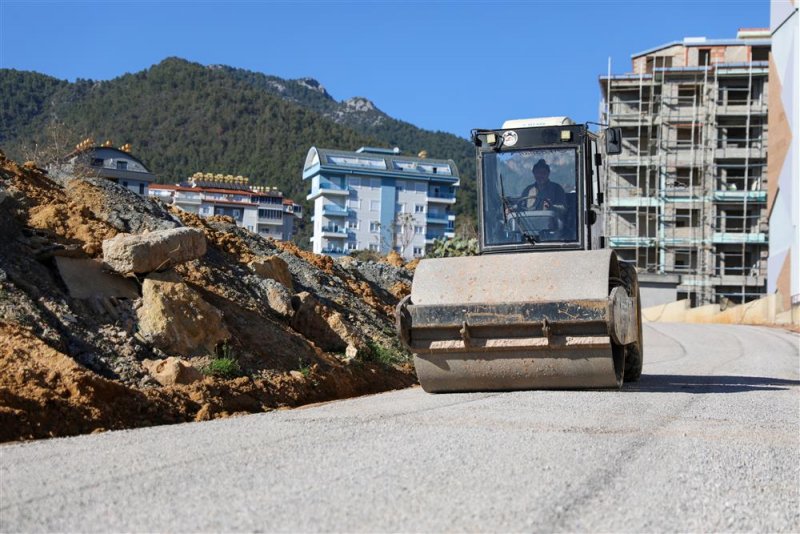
(555, 320)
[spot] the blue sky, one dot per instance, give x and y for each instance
(441, 65)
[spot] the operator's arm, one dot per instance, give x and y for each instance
(555, 199)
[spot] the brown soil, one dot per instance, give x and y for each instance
(44, 393)
(68, 220)
(224, 241)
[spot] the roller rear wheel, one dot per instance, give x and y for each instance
(634, 354)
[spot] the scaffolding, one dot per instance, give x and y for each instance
(687, 194)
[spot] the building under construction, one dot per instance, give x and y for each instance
(687, 196)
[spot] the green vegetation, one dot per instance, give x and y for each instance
(458, 246)
(223, 368)
(304, 368)
(183, 117)
(224, 363)
(386, 355)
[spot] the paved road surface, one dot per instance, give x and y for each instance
(708, 440)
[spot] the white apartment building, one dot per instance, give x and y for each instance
(263, 210)
(377, 199)
(117, 165)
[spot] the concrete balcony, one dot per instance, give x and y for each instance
(332, 210)
(437, 218)
(629, 160)
(333, 250)
(742, 109)
(632, 202)
(754, 238)
(727, 151)
(759, 197)
(741, 279)
(328, 190)
(188, 201)
(271, 221)
(441, 199)
(333, 232)
(620, 241)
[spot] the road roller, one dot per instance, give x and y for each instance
(546, 304)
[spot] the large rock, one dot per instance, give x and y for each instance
(176, 319)
(171, 371)
(273, 267)
(279, 298)
(310, 320)
(154, 251)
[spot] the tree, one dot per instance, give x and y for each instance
(399, 234)
(404, 231)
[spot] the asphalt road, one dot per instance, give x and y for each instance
(709, 440)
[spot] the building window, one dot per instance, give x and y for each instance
(270, 214)
(355, 181)
(400, 185)
(352, 224)
(355, 204)
(419, 208)
(375, 182)
(97, 162)
(760, 53)
(374, 247)
(122, 165)
(141, 189)
(417, 251)
(401, 208)
(374, 205)
(374, 226)
(418, 230)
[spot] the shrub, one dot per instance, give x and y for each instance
(223, 364)
(458, 246)
(223, 368)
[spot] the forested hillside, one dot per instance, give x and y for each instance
(183, 117)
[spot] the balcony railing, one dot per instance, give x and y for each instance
(326, 188)
(332, 209)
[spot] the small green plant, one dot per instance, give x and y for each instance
(223, 368)
(224, 363)
(384, 355)
(305, 369)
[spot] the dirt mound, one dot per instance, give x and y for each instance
(50, 209)
(45, 393)
(72, 353)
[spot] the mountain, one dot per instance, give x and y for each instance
(182, 117)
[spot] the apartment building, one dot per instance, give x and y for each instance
(104, 161)
(687, 197)
(263, 210)
(784, 161)
(377, 199)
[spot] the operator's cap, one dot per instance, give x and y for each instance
(541, 164)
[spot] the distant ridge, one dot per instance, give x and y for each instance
(183, 117)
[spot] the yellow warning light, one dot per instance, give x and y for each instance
(566, 135)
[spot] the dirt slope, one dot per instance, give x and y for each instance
(73, 365)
